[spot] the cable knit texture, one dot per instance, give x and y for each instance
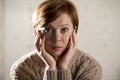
(32, 67)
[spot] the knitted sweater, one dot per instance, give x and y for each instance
(32, 67)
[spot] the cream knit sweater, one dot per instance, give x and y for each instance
(32, 67)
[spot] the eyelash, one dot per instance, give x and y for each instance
(64, 30)
(50, 30)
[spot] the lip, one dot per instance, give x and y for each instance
(57, 48)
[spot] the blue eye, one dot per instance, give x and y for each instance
(64, 30)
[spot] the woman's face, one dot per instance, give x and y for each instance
(57, 34)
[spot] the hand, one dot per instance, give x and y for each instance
(64, 60)
(49, 59)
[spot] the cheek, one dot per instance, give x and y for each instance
(47, 41)
(66, 38)
(68, 35)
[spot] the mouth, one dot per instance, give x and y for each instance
(57, 48)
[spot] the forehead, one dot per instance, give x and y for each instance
(64, 18)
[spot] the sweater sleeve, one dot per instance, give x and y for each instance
(64, 75)
(59, 74)
(51, 74)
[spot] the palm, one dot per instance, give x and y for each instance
(64, 59)
(48, 58)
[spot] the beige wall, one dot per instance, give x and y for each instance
(1, 40)
(99, 33)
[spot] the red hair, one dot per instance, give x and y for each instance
(50, 10)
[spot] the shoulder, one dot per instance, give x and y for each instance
(82, 56)
(22, 60)
(88, 65)
(26, 64)
(86, 58)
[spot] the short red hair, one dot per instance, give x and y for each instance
(50, 10)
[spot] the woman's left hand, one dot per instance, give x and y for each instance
(64, 60)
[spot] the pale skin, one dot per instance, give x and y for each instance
(57, 42)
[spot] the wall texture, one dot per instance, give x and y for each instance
(18, 30)
(1, 39)
(99, 33)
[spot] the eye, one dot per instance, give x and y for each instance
(65, 29)
(48, 30)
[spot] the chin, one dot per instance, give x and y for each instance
(56, 53)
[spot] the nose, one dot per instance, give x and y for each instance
(57, 36)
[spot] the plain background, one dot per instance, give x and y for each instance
(99, 33)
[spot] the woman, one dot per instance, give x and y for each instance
(55, 25)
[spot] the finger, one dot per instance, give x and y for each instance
(70, 46)
(38, 41)
(43, 44)
(44, 52)
(71, 41)
(74, 38)
(43, 49)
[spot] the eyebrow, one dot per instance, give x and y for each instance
(64, 25)
(49, 25)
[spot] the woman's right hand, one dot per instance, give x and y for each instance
(40, 45)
